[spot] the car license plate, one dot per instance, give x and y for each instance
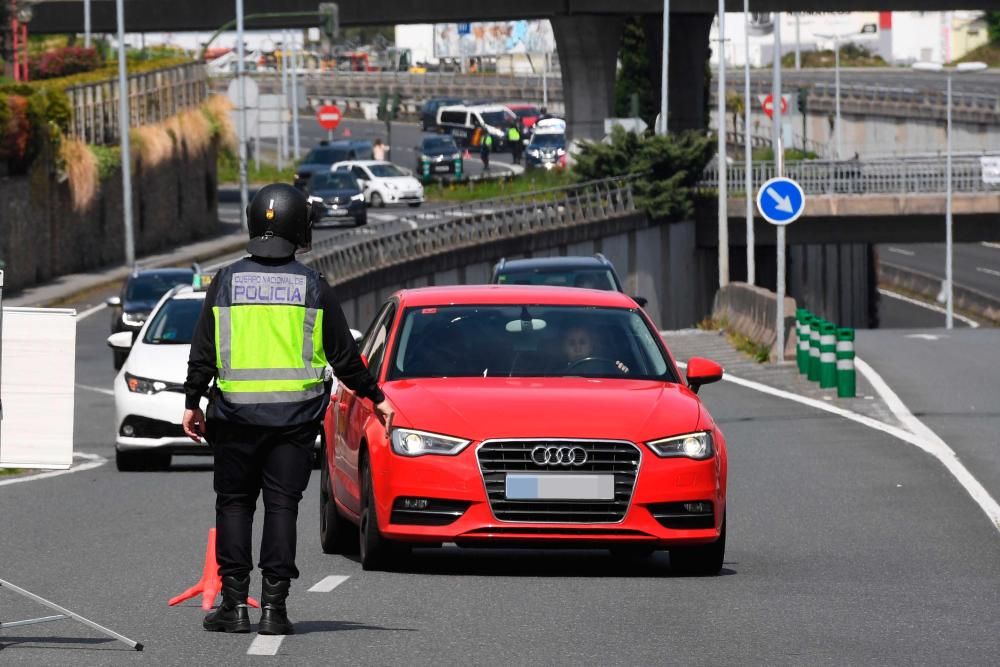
(442, 167)
(336, 211)
(560, 487)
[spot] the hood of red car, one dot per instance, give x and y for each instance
(481, 408)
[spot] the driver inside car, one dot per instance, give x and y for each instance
(582, 351)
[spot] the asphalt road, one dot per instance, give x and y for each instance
(846, 546)
(975, 265)
(984, 83)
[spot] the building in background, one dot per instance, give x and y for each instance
(509, 46)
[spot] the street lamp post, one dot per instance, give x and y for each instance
(836, 37)
(949, 292)
(747, 148)
(123, 130)
(723, 166)
(665, 72)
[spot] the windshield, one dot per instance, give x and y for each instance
(527, 341)
(496, 118)
(152, 287)
(326, 156)
(174, 323)
(334, 181)
(385, 170)
(601, 279)
(547, 141)
(526, 112)
(440, 144)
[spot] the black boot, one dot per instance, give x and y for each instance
(231, 616)
(274, 615)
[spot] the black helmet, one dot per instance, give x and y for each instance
(280, 221)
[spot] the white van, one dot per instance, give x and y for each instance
(461, 122)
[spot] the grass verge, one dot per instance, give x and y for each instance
(229, 171)
(757, 351)
(530, 181)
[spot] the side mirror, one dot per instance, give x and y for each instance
(357, 335)
(641, 300)
(114, 302)
(702, 371)
(121, 340)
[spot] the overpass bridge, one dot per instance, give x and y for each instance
(587, 32)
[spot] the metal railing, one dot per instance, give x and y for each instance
(342, 259)
(853, 177)
(153, 97)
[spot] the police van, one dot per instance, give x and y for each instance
(467, 124)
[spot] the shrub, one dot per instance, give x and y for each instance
(64, 62)
(15, 135)
(82, 172)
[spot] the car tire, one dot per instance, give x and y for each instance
(140, 461)
(701, 561)
(337, 535)
(415, 204)
(377, 201)
(377, 552)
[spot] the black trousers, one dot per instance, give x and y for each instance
(248, 460)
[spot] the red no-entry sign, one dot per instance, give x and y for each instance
(328, 117)
(767, 103)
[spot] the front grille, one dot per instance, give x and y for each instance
(497, 458)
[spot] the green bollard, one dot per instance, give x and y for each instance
(828, 355)
(814, 327)
(803, 322)
(846, 377)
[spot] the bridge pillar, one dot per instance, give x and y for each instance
(588, 53)
(689, 51)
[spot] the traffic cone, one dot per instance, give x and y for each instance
(210, 583)
(347, 131)
(466, 155)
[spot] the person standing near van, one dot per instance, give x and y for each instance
(485, 148)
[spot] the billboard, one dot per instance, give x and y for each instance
(452, 40)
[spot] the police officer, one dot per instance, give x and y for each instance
(268, 331)
(514, 141)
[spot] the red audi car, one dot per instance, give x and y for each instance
(525, 416)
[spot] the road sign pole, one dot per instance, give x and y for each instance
(747, 147)
(723, 166)
(295, 100)
(664, 71)
(123, 130)
(949, 247)
(779, 164)
(242, 124)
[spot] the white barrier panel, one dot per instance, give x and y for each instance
(37, 381)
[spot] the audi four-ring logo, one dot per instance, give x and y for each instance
(559, 456)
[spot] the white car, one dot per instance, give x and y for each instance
(383, 182)
(149, 388)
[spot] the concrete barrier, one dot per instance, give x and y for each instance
(976, 303)
(751, 311)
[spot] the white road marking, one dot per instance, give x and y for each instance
(87, 313)
(900, 251)
(92, 461)
(987, 244)
(327, 584)
(929, 306)
(265, 644)
(925, 336)
(991, 272)
(99, 390)
(924, 438)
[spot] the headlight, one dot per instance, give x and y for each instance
(134, 319)
(696, 446)
(561, 151)
(358, 197)
(140, 385)
(408, 442)
(456, 156)
(534, 152)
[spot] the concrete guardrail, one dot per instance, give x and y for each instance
(751, 311)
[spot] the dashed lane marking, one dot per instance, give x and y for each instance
(990, 272)
(329, 583)
(90, 311)
(900, 251)
(99, 390)
(923, 437)
(929, 306)
(265, 644)
(90, 461)
(988, 244)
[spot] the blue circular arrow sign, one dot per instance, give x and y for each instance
(781, 201)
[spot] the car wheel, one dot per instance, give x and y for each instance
(415, 204)
(701, 561)
(336, 534)
(377, 201)
(377, 552)
(120, 358)
(361, 221)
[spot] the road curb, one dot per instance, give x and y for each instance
(982, 306)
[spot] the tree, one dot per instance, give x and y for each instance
(669, 167)
(633, 75)
(993, 26)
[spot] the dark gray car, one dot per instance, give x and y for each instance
(342, 198)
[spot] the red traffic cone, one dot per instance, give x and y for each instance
(347, 132)
(210, 583)
(466, 155)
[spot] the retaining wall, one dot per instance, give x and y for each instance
(43, 237)
(752, 312)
